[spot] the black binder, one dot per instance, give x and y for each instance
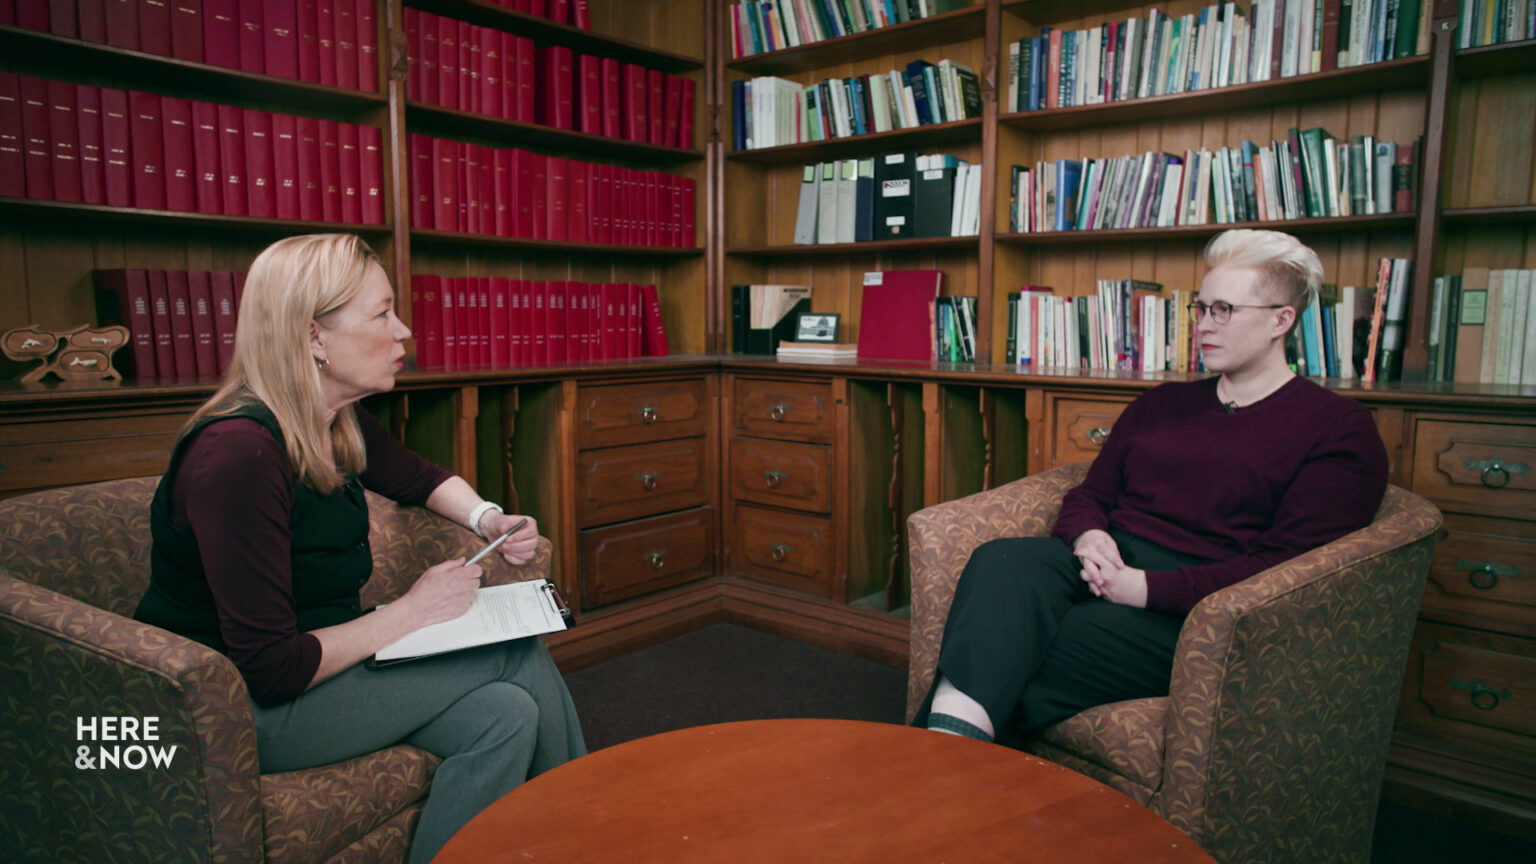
(893, 195)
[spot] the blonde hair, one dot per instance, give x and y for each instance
(290, 284)
(1289, 272)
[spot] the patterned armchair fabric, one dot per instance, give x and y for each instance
(1273, 739)
(73, 563)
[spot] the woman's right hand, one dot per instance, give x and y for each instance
(1099, 554)
(443, 592)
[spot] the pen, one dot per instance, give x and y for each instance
(497, 542)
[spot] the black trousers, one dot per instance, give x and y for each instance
(1027, 639)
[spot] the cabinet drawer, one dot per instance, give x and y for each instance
(632, 413)
(1487, 468)
(780, 473)
(1472, 686)
(634, 558)
(793, 410)
(1082, 427)
(87, 450)
(620, 483)
(785, 549)
(1485, 567)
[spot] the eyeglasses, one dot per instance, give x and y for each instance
(1221, 310)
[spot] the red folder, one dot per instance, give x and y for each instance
(427, 320)
(285, 164)
(155, 27)
(501, 194)
(308, 34)
(260, 179)
(183, 341)
(311, 188)
(325, 30)
(160, 318)
(92, 16)
(204, 340)
(146, 144)
(522, 193)
(92, 154)
(280, 38)
(180, 162)
(469, 68)
(351, 173)
(557, 183)
(427, 92)
(450, 313)
(37, 152)
(187, 29)
(367, 47)
(527, 81)
(554, 87)
(330, 171)
(371, 141)
(252, 36)
(346, 44)
(413, 57)
(222, 286)
(589, 94)
(578, 221)
(221, 32)
(488, 43)
(122, 23)
(613, 103)
(496, 314)
(685, 117)
(895, 314)
(13, 171)
(539, 196)
(655, 342)
(635, 99)
(655, 109)
(469, 188)
(232, 159)
(419, 151)
(445, 185)
(206, 169)
(64, 141)
(447, 63)
(114, 137)
(129, 291)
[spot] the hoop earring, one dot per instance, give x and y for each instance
(322, 363)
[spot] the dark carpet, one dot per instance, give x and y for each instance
(726, 672)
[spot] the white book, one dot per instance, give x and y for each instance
(1509, 339)
(973, 205)
(790, 22)
(1528, 358)
(880, 114)
(826, 217)
(1149, 39)
(957, 200)
(1208, 52)
(1095, 74)
(1330, 178)
(1361, 18)
(1224, 58)
(1013, 79)
(499, 613)
(911, 103)
(1173, 182)
(1144, 169)
(1263, 28)
(1289, 38)
(1386, 155)
(847, 199)
(1346, 332)
(1304, 35)
(809, 205)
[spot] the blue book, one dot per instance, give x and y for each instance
(918, 82)
(739, 114)
(1037, 72)
(1027, 74)
(1312, 336)
(1379, 32)
(1069, 177)
(1330, 347)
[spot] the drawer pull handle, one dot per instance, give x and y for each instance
(777, 411)
(1495, 471)
(779, 550)
(772, 477)
(647, 480)
(1484, 698)
(657, 559)
(1098, 435)
(647, 413)
(1485, 574)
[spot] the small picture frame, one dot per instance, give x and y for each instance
(817, 327)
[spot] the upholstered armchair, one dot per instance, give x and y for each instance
(1272, 742)
(73, 563)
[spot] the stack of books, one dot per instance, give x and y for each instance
(818, 350)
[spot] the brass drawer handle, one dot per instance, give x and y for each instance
(1098, 435)
(647, 413)
(647, 480)
(777, 410)
(1485, 574)
(779, 550)
(1495, 471)
(1484, 698)
(657, 559)
(773, 476)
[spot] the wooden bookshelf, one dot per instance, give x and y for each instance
(933, 135)
(1506, 59)
(62, 212)
(546, 32)
(1489, 215)
(456, 238)
(920, 244)
(958, 25)
(442, 122)
(1292, 226)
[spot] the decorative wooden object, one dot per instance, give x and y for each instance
(86, 354)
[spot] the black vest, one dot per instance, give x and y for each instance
(330, 557)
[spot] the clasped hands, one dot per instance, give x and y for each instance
(444, 591)
(1106, 573)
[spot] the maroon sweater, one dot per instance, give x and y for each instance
(243, 486)
(1249, 489)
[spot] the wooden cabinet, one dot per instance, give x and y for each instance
(622, 561)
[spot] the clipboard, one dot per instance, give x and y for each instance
(557, 605)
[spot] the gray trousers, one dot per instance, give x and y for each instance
(497, 715)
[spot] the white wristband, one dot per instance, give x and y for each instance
(480, 511)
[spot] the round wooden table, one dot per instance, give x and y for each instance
(814, 790)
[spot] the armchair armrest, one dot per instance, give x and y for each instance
(63, 662)
(941, 539)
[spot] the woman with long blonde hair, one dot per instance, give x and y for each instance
(260, 532)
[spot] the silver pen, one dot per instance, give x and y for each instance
(497, 542)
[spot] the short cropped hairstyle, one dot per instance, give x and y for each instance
(290, 284)
(1289, 272)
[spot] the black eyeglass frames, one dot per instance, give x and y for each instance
(1221, 310)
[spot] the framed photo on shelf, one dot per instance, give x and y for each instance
(817, 327)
